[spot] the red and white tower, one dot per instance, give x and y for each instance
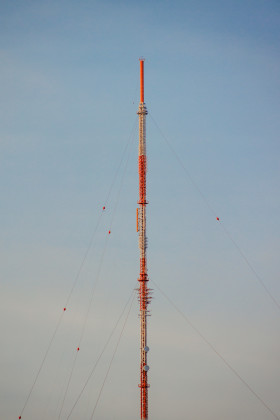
(144, 298)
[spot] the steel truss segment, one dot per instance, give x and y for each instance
(143, 291)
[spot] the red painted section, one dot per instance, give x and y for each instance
(142, 168)
(143, 269)
(141, 80)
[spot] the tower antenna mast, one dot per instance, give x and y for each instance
(144, 292)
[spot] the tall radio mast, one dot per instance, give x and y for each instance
(144, 297)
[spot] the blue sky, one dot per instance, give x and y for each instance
(69, 97)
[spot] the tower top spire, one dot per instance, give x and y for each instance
(142, 59)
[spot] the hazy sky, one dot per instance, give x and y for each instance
(69, 97)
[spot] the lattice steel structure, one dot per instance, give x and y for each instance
(144, 291)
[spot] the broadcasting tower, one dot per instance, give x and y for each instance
(144, 298)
